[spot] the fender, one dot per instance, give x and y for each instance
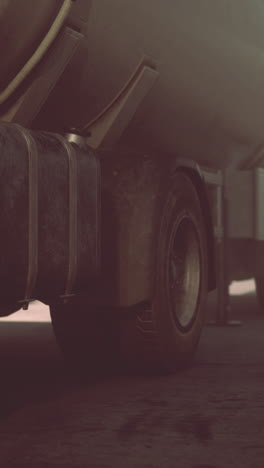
(197, 175)
(133, 192)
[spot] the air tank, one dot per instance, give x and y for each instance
(207, 103)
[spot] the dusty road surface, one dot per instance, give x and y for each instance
(210, 416)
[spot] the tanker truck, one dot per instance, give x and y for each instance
(132, 175)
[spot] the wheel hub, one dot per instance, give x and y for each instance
(184, 271)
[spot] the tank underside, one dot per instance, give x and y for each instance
(208, 101)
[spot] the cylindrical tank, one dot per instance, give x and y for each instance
(208, 102)
(23, 25)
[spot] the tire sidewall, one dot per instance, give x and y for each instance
(178, 345)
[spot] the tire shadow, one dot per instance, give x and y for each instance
(31, 367)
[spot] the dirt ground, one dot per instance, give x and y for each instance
(210, 416)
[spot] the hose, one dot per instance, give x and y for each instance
(39, 52)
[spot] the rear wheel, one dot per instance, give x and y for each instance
(163, 335)
(159, 336)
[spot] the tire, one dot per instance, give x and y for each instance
(156, 336)
(162, 336)
(87, 336)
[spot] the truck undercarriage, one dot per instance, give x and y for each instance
(131, 185)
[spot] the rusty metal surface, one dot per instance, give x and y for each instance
(48, 242)
(133, 190)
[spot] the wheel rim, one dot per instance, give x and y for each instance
(184, 272)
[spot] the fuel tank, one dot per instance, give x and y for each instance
(208, 100)
(50, 246)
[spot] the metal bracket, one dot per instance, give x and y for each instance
(216, 180)
(110, 124)
(27, 107)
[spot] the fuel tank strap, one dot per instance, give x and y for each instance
(73, 202)
(32, 213)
